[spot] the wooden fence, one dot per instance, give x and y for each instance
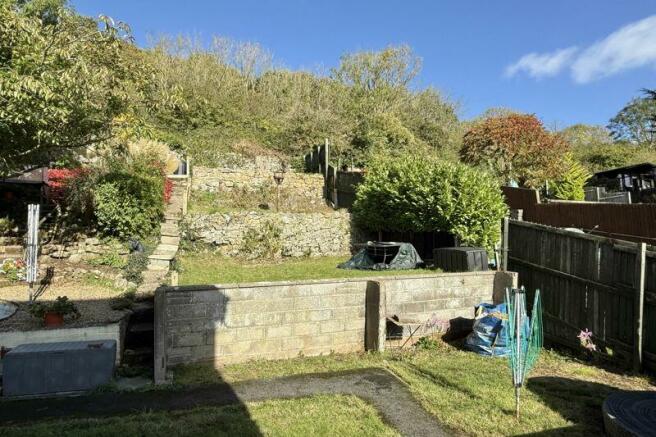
(587, 281)
(339, 185)
(635, 222)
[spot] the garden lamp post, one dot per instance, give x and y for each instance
(278, 176)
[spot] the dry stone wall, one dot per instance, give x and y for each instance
(303, 187)
(300, 234)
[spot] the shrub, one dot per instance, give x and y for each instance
(265, 242)
(420, 194)
(136, 264)
(129, 199)
(110, 259)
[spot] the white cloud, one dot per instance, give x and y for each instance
(632, 46)
(629, 47)
(542, 65)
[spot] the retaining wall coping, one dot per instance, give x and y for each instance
(210, 287)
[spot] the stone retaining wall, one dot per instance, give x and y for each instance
(270, 320)
(301, 234)
(302, 186)
(83, 249)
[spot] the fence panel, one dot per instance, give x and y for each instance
(649, 318)
(587, 282)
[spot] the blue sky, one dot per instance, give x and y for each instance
(568, 61)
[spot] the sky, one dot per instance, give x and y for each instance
(567, 61)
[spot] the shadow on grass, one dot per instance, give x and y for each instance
(579, 402)
(217, 408)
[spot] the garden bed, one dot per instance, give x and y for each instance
(92, 294)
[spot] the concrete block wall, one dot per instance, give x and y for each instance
(264, 320)
(444, 296)
(271, 320)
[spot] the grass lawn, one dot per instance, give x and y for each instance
(317, 415)
(204, 268)
(468, 393)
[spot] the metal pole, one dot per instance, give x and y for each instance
(31, 254)
(518, 334)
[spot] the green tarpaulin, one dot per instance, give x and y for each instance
(384, 256)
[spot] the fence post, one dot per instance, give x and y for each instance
(335, 191)
(326, 159)
(641, 257)
(504, 244)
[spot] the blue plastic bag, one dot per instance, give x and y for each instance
(488, 336)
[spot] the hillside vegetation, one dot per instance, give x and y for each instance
(72, 85)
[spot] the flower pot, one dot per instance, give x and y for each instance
(53, 319)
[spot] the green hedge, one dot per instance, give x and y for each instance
(422, 194)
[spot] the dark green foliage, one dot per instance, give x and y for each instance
(419, 193)
(61, 306)
(636, 122)
(129, 199)
(136, 264)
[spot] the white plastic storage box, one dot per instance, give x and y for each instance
(45, 368)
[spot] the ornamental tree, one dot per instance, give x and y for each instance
(515, 147)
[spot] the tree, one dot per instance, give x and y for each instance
(585, 136)
(64, 80)
(636, 122)
(393, 67)
(517, 148)
(571, 184)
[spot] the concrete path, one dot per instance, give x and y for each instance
(383, 390)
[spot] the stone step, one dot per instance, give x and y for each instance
(170, 240)
(163, 249)
(140, 355)
(153, 276)
(170, 229)
(159, 264)
(141, 327)
(171, 221)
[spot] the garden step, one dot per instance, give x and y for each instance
(139, 355)
(159, 264)
(169, 239)
(170, 229)
(141, 327)
(163, 247)
(143, 311)
(150, 276)
(171, 220)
